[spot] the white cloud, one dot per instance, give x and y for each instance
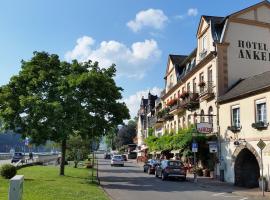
(131, 61)
(192, 12)
(133, 101)
(153, 18)
(179, 17)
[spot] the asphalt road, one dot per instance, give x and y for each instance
(130, 183)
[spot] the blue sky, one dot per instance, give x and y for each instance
(137, 35)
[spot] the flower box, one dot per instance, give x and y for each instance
(260, 125)
(202, 84)
(234, 128)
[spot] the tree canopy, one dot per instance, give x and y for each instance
(50, 100)
(126, 134)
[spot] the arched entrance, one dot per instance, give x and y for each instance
(246, 169)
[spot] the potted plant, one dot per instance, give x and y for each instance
(263, 183)
(202, 84)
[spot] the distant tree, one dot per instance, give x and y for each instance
(78, 148)
(110, 138)
(126, 134)
(52, 100)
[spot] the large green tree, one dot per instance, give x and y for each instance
(51, 100)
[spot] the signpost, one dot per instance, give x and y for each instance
(16, 188)
(194, 150)
(261, 144)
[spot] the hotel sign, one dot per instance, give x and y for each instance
(204, 127)
(253, 50)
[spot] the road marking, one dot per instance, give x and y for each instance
(229, 196)
(218, 194)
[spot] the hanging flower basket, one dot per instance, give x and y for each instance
(202, 84)
(172, 102)
(184, 95)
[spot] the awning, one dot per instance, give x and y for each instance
(144, 147)
(175, 151)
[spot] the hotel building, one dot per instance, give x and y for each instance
(229, 49)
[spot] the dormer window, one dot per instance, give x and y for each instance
(204, 43)
(203, 47)
(193, 62)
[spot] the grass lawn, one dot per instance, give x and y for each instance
(44, 183)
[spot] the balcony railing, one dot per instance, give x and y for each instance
(206, 91)
(191, 102)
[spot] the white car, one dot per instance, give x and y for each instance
(117, 160)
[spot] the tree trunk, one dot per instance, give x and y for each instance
(63, 157)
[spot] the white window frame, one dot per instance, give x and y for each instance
(263, 117)
(238, 116)
(204, 43)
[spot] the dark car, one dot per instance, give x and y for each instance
(17, 157)
(150, 166)
(107, 156)
(171, 169)
(124, 157)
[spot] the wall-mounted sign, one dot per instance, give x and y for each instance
(204, 127)
(253, 50)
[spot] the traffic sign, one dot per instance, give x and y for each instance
(194, 147)
(261, 144)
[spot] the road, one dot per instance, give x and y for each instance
(130, 183)
(5, 162)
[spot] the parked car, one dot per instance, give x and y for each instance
(124, 157)
(171, 169)
(17, 157)
(150, 166)
(107, 156)
(117, 160)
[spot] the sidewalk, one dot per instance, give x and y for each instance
(208, 182)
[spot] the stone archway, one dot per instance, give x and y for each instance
(246, 166)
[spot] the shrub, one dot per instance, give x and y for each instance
(8, 171)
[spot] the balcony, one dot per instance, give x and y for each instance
(260, 125)
(190, 102)
(206, 90)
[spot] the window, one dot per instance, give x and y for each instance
(210, 113)
(179, 93)
(188, 87)
(204, 43)
(261, 111)
(201, 81)
(210, 75)
(184, 122)
(202, 116)
(194, 85)
(236, 116)
(171, 79)
(189, 120)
